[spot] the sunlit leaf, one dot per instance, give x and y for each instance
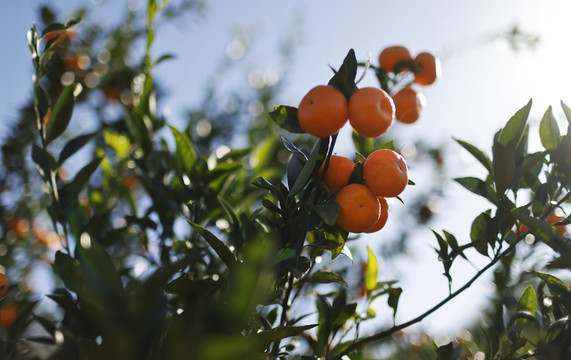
(372, 270)
(61, 114)
(185, 153)
(549, 130)
(286, 118)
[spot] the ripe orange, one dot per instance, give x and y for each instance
(383, 218)
(552, 218)
(3, 285)
(323, 111)
(338, 172)
(385, 172)
(8, 315)
(371, 111)
(408, 105)
(359, 208)
(391, 55)
(427, 68)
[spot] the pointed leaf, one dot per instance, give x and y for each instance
(185, 153)
(325, 277)
(61, 114)
(567, 112)
(479, 187)
(344, 78)
(281, 332)
(44, 161)
(511, 134)
(372, 271)
(73, 146)
(549, 130)
(528, 301)
(217, 245)
(478, 154)
(286, 118)
(504, 167)
(317, 154)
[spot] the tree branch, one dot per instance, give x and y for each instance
(387, 332)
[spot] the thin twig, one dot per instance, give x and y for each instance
(385, 333)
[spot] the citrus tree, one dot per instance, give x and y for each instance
(165, 243)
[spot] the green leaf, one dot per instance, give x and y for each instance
(483, 232)
(317, 154)
(549, 130)
(294, 150)
(61, 114)
(52, 27)
(118, 142)
(286, 118)
(393, 300)
(511, 134)
(567, 112)
(544, 231)
(444, 352)
(479, 187)
(281, 332)
(325, 277)
(327, 211)
(185, 153)
(372, 271)
(45, 162)
(217, 245)
(478, 154)
(528, 301)
(344, 78)
(504, 167)
(262, 183)
(73, 146)
(70, 191)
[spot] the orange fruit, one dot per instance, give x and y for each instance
(552, 218)
(391, 55)
(385, 172)
(427, 68)
(338, 172)
(383, 218)
(408, 105)
(371, 111)
(8, 315)
(323, 111)
(359, 208)
(3, 285)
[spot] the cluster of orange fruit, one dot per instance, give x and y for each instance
(425, 68)
(363, 208)
(324, 110)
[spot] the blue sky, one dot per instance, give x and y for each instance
(482, 85)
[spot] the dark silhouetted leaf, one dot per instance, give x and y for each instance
(44, 161)
(478, 187)
(504, 167)
(73, 146)
(511, 134)
(217, 245)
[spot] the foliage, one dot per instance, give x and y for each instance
(165, 245)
